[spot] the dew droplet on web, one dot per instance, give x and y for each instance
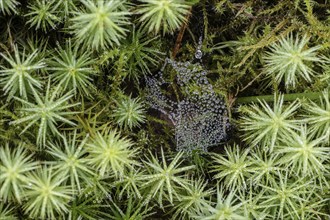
(198, 54)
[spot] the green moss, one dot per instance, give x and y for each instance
(56, 54)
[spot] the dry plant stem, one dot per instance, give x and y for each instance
(271, 37)
(180, 36)
(250, 83)
(205, 24)
(287, 97)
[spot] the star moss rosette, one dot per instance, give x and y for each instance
(318, 116)
(18, 75)
(47, 195)
(15, 165)
(167, 15)
(305, 156)
(70, 161)
(8, 6)
(291, 59)
(46, 113)
(109, 153)
(43, 14)
(262, 124)
(164, 180)
(129, 112)
(100, 24)
(234, 168)
(226, 208)
(193, 200)
(73, 69)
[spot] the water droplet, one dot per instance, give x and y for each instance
(198, 54)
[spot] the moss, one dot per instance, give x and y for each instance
(114, 47)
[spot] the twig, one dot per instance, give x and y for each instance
(250, 83)
(287, 97)
(180, 35)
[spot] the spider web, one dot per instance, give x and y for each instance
(200, 117)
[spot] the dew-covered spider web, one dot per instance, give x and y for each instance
(199, 115)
